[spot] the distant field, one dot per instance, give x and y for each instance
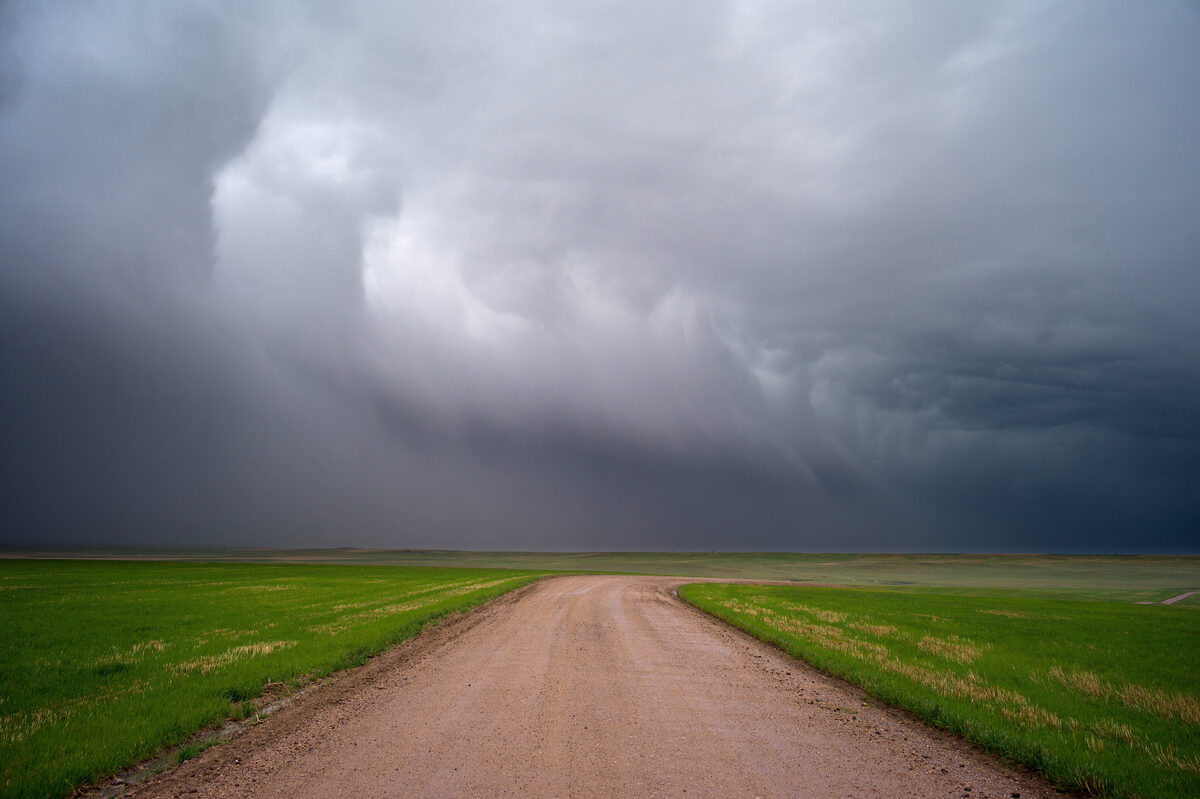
(103, 664)
(1122, 577)
(1100, 696)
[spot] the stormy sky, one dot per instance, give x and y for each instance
(601, 275)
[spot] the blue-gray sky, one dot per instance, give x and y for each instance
(601, 275)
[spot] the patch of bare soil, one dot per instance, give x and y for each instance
(589, 686)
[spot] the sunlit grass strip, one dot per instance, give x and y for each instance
(1100, 697)
(103, 664)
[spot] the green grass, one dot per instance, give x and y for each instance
(104, 664)
(1123, 577)
(1099, 696)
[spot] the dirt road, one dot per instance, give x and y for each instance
(589, 686)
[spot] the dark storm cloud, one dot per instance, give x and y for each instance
(827, 276)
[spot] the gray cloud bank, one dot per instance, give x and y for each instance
(612, 275)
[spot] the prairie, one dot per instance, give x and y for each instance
(103, 664)
(1102, 697)
(107, 662)
(1119, 577)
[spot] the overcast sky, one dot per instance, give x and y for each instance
(601, 275)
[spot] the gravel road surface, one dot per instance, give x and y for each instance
(589, 686)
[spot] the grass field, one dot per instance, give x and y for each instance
(1117, 577)
(103, 664)
(1099, 696)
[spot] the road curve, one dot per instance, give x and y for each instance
(589, 686)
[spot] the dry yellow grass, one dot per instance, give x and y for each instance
(1108, 728)
(225, 632)
(207, 664)
(414, 600)
(831, 616)
(827, 636)
(1010, 614)
(1166, 704)
(15, 726)
(132, 655)
(1169, 757)
(880, 630)
(1029, 716)
(953, 648)
(1083, 681)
